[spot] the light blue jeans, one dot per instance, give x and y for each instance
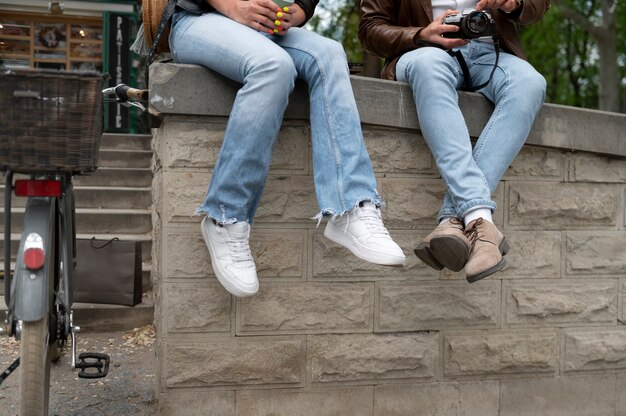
(268, 66)
(517, 90)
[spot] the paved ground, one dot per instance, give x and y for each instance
(129, 389)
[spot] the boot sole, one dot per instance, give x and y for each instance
(504, 248)
(450, 251)
(422, 251)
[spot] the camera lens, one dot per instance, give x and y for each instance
(477, 22)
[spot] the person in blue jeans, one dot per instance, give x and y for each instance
(409, 34)
(262, 46)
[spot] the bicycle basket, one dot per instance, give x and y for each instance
(50, 121)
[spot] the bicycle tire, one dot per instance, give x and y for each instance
(35, 357)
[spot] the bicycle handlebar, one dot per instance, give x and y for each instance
(123, 94)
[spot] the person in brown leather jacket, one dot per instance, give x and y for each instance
(419, 49)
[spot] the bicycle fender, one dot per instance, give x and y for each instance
(31, 292)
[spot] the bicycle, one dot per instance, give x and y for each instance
(50, 129)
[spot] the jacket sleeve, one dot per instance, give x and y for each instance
(378, 33)
(309, 8)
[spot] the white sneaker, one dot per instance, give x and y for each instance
(230, 255)
(362, 232)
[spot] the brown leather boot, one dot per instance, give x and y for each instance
(447, 246)
(488, 251)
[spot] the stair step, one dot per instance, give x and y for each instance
(103, 197)
(145, 239)
(101, 317)
(126, 141)
(97, 221)
(114, 158)
(146, 270)
(116, 176)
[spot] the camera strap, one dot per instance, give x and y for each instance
(467, 79)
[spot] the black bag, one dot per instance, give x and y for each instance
(108, 272)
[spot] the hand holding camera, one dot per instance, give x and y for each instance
(471, 23)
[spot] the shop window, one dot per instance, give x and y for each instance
(51, 42)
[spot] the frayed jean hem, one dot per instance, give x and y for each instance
(334, 214)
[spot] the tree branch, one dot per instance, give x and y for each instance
(577, 18)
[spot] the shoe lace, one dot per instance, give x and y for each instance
(475, 233)
(373, 222)
(239, 250)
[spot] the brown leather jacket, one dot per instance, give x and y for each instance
(388, 27)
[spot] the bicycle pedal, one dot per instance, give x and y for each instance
(93, 360)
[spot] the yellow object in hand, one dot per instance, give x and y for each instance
(277, 22)
(285, 9)
(279, 15)
(276, 30)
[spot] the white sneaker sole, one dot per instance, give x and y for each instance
(346, 240)
(219, 273)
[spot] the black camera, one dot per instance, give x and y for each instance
(472, 24)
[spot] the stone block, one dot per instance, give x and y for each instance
(286, 198)
(398, 151)
(622, 302)
(340, 358)
(276, 253)
(500, 353)
(279, 253)
(412, 203)
(598, 349)
(331, 261)
(620, 409)
(185, 254)
(476, 398)
(561, 303)
(307, 308)
(536, 163)
(554, 205)
(235, 362)
(595, 252)
(196, 144)
(191, 143)
(594, 168)
(334, 401)
(183, 192)
(178, 402)
(196, 307)
(558, 396)
(437, 306)
(533, 255)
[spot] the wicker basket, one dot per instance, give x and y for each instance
(50, 121)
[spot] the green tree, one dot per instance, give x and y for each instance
(576, 48)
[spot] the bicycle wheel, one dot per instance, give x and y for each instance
(35, 357)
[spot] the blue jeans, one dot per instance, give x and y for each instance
(267, 66)
(517, 90)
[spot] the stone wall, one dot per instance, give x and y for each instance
(329, 334)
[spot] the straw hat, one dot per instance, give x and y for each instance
(151, 13)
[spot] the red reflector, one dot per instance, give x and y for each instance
(34, 258)
(28, 187)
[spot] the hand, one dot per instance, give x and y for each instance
(257, 14)
(288, 17)
(505, 5)
(433, 32)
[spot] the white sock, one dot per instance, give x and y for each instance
(484, 213)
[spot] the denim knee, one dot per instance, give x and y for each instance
(427, 64)
(277, 69)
